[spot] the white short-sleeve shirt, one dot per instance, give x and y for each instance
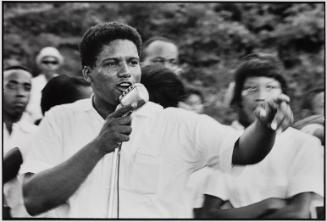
(294, 165)
(165, 147)
(22, 132)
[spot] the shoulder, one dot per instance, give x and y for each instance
(70, 110)
(297, 134)
(300, 139)
(27, 127)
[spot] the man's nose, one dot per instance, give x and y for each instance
(262, 95)
(124, 71)
(21, 92)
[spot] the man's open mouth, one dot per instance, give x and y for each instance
(123, 86)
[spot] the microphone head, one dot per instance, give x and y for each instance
(136, 95)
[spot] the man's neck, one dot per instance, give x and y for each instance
(104, 109)
(9, 122)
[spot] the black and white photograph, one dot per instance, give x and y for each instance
(197, 110)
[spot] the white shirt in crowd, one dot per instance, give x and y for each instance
(22, 132)
(166, 146)
(294, 165)
(33, 108)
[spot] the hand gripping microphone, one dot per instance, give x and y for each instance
(135, 95)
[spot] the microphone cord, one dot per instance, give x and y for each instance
(118, 172)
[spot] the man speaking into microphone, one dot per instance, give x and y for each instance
(69, 166)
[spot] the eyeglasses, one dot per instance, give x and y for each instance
(46, 62)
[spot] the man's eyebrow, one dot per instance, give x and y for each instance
(13, 81)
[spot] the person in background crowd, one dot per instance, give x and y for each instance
(193, 100)
(160, 50)
(70, 161)
(48, 61)
(314, 108)
(284, 184)
(16, 132)
(164, 87)
(64, 89)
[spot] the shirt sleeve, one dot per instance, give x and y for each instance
(215, 142)
(306, 172)
(216, 185)
(45, 148)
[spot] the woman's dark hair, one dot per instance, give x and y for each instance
(60, 90)
(257, 65)
(99, 35)
(164, 86)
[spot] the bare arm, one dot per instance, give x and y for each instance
(259, 137)
(53, 187)
(213, 207)
(298, 207)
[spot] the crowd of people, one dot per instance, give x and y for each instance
(61, 131)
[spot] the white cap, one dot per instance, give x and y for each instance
(49, 51)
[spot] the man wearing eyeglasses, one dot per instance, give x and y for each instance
(49, 61)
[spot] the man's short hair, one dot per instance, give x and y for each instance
(154, 39)
(99, 35)
(165, 88)
(60, 90)
(17, 67)
(257, 65)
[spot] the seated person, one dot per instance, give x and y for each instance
(164, 87)
(313, 108)
(284, 184)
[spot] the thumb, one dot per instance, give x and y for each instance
(260, 113)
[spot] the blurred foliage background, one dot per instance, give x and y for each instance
(212, 37)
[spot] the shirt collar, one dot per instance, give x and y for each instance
(147, 109)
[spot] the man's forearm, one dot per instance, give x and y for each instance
(52, 187)
(297, 208)
(248, 212)
(255, 143)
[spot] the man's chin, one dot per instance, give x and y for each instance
(16, 116)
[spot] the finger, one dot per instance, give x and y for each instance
(123, 138)
(271, 109)
(126, 130)
(260, 113)
(125, 120)
(281, 98)
(122, 111)
(288, 120)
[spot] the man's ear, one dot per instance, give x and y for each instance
(86, 73)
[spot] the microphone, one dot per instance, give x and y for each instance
(135, 95)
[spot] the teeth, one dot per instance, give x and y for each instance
(124, 84)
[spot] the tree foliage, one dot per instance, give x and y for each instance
(212, 37)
